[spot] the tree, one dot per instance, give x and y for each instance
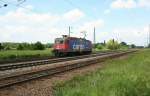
(49, 45)
(99, 46)
(133, 46)
(123, 43)
(1, 46)
(39, 46)
(27, 46)
(7, 48)
(148, 46)
(112, 44)
(20, 47)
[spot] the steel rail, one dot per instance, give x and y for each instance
(10, 66)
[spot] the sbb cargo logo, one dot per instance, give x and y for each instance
(80, 46)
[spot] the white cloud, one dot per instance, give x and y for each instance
(90, 25)
(130, 35)
(26, 26)
(122, 4)
(144, 3)
(20, 17)
(74, 15)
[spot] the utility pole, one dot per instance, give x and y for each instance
(149, 37)
(94, 38)
(69, 30)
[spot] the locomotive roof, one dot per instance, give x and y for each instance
(72, 38)
(76, 38)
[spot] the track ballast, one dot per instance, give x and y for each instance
(61, 67)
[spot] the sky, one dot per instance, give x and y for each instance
(45, 20)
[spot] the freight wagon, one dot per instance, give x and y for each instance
(71, 46)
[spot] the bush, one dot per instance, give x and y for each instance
(20, 47)
(112, 45)
(123, 44)
(24, 46)
(49, 45)
(132, 46)
(7, 48)
(12, 56)
(1, 46)
(39, 46)
(28, 46)
(99, 46)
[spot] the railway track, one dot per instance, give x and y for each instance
(11, 66)
(25, 59)
(61, 67)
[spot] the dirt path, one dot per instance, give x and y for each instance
(43, 87)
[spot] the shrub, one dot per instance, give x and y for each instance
(99, 46)
(49, 45)
(1, 46)
(112, 44)
(20, 47)
(7, 48)
(132, 46)
(12, 56)
(27, 46)
(123, 44)
(39, 46)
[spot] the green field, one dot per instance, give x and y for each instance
(19, 54)
(123, 77)
(12, 54)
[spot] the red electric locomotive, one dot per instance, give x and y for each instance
(71, 46)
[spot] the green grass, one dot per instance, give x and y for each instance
(126, 77)
(11, 54)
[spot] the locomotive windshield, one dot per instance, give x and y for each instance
(59, 41)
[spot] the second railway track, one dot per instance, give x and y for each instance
(61, 67)
(11, 66)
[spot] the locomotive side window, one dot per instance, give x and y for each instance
(59, 41)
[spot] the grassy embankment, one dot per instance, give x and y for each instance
(127, 77)
(12, 54)
(23, 54)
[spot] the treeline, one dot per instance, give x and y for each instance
(111, 44)
(114, 45)
(24, 46)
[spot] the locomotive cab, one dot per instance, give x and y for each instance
(60, 46)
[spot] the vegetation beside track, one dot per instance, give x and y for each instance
(10, 51)
(124, 77)
(15, 54)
